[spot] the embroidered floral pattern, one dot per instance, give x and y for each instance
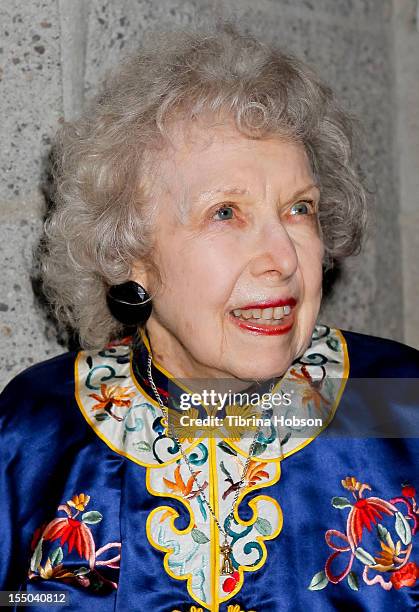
(178, 486)
(123, 412)
(372, 522)
(312, 393)
(66, 534)
(191, 552)
(254, 474)
(111, 395)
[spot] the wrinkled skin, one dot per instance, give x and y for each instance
(264, 244)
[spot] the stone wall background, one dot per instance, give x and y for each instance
(53, 53)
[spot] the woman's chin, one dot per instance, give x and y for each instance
(262, 370)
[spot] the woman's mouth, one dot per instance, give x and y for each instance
(269, 321)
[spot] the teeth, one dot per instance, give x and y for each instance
(246, 314)
(279, 312)
(266, 314)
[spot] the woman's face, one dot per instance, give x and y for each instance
(238, 243)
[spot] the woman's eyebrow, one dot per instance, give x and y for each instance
(207, 195)
(304, 190)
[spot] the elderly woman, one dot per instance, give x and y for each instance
(197, 205)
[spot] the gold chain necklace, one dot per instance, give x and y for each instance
(226, 549)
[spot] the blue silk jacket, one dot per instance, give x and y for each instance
(96, 499)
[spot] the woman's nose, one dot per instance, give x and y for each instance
(275, 252)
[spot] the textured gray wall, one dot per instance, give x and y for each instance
(406, 60)
(54, 52)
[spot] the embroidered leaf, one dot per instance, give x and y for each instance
(227, 448)
(224, 469)
(138, 424)
(81, 571)
(333, 344)
(382, 532)
(102, 416)
(194, 457)
(89, 362)
(152, 409)
(403, 529)
(199, 536)
(57, 556)
(143, 446)
(318, 582)
(341, 502)
(389, 540)
(92, 517)
(285, 439)
(353, 581)
(364, 556)
(37, 556)
(385, 536)
(263, 526)
(202, 507)
(258, 449)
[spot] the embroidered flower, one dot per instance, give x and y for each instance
(79, 502)
(406, 576)
(385, 559)
(255, 473)
(59, 572)
(179, 486)
(112, 395)
(78, 536)
(352, 484)
(365, 513)
(394, 554)
(74, 533)
(312, 392)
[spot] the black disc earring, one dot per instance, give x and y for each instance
(129, 303)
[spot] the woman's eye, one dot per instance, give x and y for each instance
(302, 208)
(224, 212)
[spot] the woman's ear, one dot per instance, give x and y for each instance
(141, 274)
(146, 272)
